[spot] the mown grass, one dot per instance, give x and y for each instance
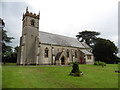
(8, 64)
(58, 77)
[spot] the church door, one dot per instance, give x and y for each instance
(62, 61)
(81, 61)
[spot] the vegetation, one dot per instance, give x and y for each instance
(6, 49)
(13, 57)
(87, 36)
(75, 70)
(58, 77)
(105, 51)
(71, 63)
(8, 55)
(100, 63)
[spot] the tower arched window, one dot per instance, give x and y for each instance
(46, 52)
(33, 22)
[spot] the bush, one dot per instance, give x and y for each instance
(103, 63)
(96, 63)
(75, 71)
(99, 63)
(75, 68)
(71, 63)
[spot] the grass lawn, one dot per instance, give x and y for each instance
(58, 77)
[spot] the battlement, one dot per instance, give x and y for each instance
(27, 13)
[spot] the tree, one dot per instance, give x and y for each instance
(6, 49)
(13, 58)
(16, 49)
(87, 36)
(105, 51)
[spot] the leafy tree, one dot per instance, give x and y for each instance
(13, 58)
(6, 49)
(5, 38)
(87, 36)
(16, 49)
(105, 51)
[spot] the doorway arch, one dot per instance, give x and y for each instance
(62, 60)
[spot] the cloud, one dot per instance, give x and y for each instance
(12, 14)
(65, 17)
(74, 16)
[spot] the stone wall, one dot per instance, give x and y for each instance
(52, 53)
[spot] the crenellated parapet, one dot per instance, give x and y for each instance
(30, 14)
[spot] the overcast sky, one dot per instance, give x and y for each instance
(64, 17)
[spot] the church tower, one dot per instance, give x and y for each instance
(30, 35)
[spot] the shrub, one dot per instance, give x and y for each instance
(71, 63)
(99, 63)
(104, 63)
(75, 70)
(96, 63)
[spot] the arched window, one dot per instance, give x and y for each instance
(72, 51)
(76, 54)
(67, 53)
(33, 22)
(46, 52)
(53, 50)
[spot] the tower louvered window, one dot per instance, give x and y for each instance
(33, 22)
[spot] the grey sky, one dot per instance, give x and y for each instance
(64, 17)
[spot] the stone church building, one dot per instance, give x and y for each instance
(38, 47)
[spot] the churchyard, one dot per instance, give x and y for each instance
(14, 76)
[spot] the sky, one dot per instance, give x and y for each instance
(64, 17)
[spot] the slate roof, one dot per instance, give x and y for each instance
(54, 39)
(85, 45)
(58, 55)
(86, 52)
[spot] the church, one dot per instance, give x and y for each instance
(43, 48)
